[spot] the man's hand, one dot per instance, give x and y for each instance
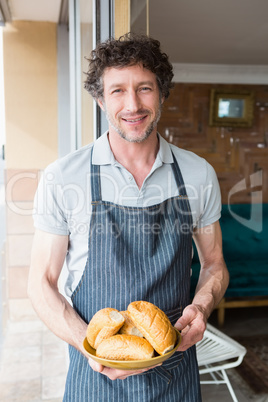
(212, 284)
(115, 374)
(192, 325)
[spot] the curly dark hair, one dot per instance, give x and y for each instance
(130, 49)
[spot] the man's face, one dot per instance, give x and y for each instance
(131, 101)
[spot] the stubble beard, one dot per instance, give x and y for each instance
(147, 132)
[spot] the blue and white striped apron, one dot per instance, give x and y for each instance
(136, 253)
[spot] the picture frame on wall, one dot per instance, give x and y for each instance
(231, 108)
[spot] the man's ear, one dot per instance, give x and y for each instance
(101, 104)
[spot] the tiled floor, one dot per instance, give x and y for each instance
(33, 364)
(238, 322)
(33, 361)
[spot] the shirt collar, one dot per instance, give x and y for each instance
(164, 153)
(102, 154)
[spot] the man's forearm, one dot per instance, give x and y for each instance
(59, 316)
(48, 255)
(212, 284)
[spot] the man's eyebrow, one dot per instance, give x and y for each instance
(149, 82)
(141, 83)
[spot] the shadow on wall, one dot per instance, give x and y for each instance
(2, 239)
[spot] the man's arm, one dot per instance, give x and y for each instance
(48, 254)
(211, 286)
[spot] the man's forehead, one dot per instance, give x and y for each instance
(136, 72)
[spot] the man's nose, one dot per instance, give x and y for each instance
(133, 101)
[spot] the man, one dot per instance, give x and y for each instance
(122, 212)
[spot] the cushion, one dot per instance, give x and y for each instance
(245, 248)
(245, 231)
(246, 279)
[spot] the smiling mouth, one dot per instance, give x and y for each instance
(134, 120)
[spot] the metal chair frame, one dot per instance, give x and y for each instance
(217, 352)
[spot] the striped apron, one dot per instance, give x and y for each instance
(136, 253)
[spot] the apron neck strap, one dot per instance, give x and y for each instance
(178, 177)
(95, 180)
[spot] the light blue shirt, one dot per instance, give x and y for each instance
(63, 198)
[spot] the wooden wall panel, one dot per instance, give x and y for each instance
(235, 153)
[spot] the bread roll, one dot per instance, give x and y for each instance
(125, 347)
(129, 327)
(104, 323)
(154, 325)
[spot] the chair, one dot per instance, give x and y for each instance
(217, 352)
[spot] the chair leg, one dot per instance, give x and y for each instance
(221, 314)
(226, 379)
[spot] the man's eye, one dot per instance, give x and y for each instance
(145, 89)
(116, 91)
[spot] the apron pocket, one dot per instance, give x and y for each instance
(173, 361)
(165, 371)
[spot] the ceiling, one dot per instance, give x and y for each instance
(212, 31)
(190, 31)
(35, 10)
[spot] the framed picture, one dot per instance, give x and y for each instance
(231, 108)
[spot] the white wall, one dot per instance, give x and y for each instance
(220, 73)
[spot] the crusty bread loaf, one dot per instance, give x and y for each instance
(104, 323)
(154, 325)
(128, 326)
(125, 347)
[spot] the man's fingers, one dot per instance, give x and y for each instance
(115, 374)
(188, 316)
(192, 326)
(95, 365)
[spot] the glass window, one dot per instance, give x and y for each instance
(86, 35)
